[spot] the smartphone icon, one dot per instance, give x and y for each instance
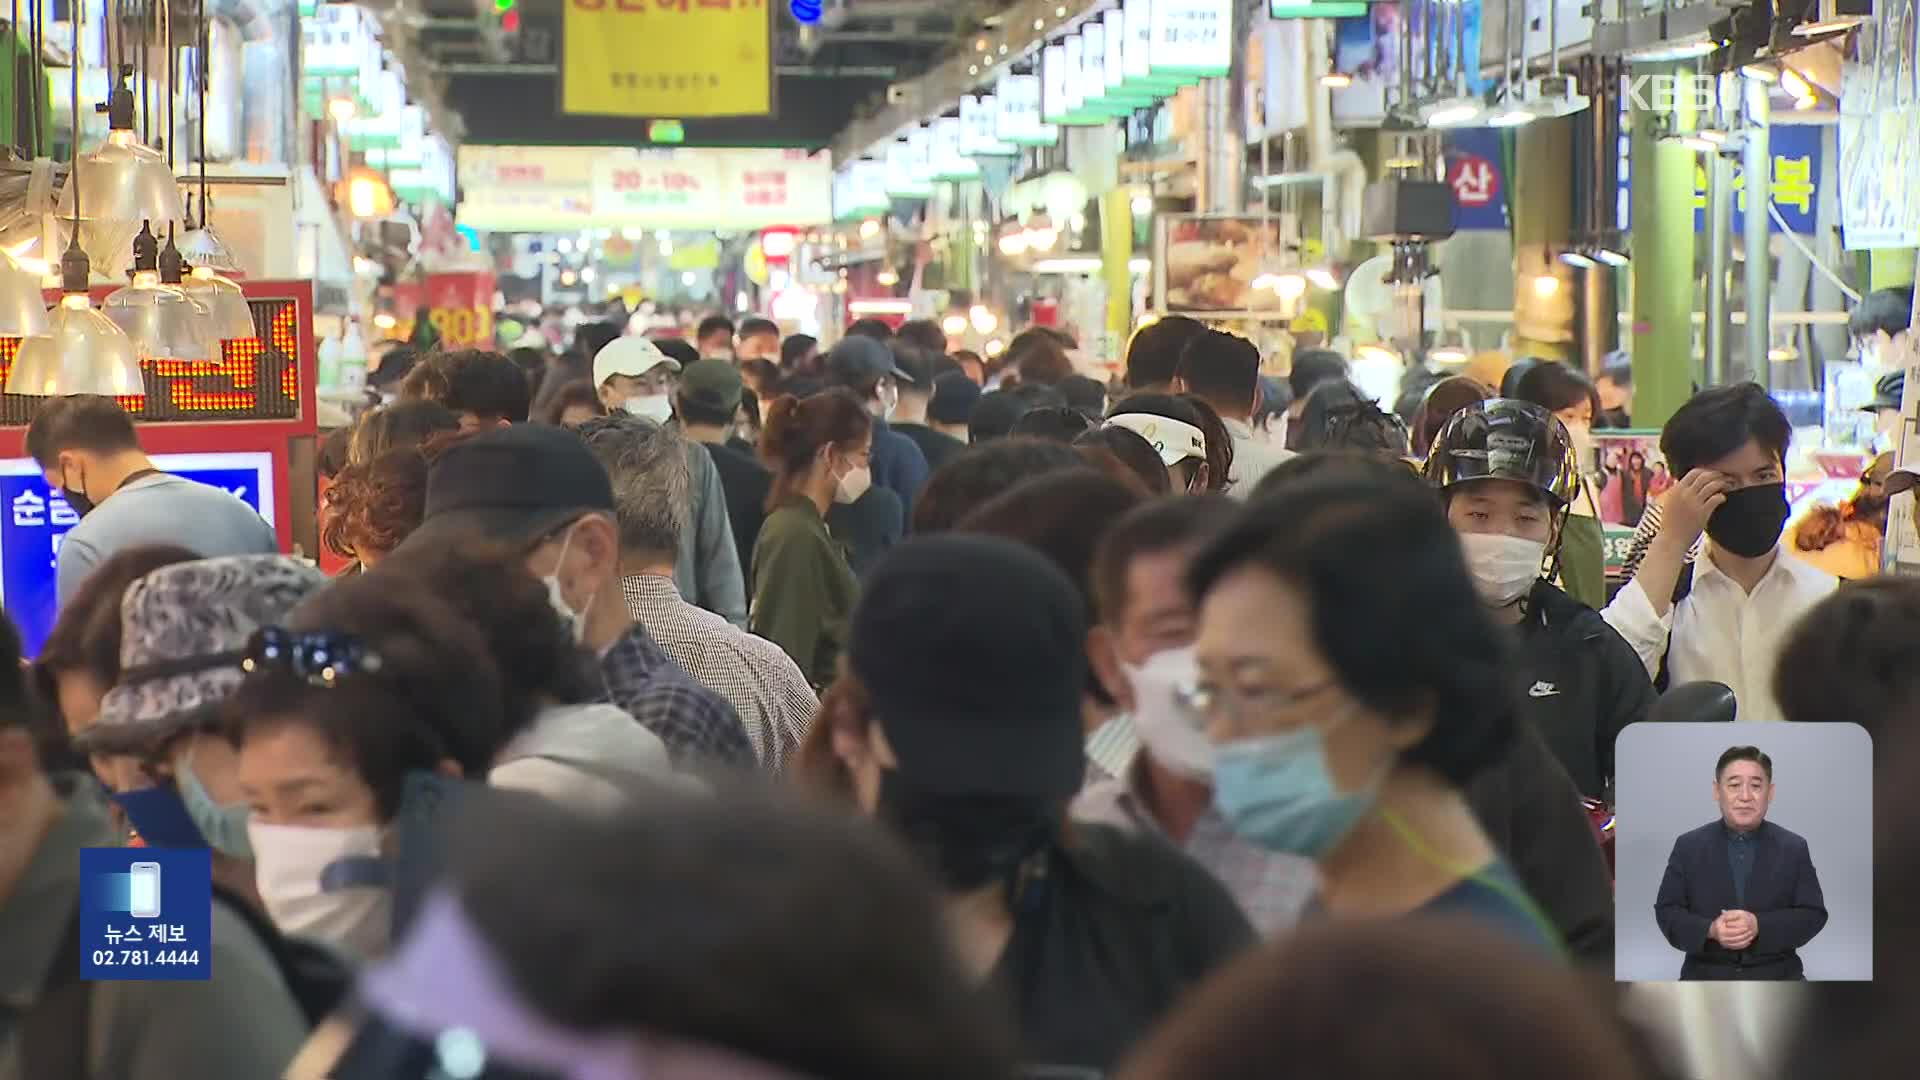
(144, 898)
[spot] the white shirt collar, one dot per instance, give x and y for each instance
(1784, 563)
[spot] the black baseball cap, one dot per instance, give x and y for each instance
(973, 652)
(954, 396)
(857, 358)
(513, 485)
(1887, 392)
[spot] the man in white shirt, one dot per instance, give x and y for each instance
(1223, 370)
(1722, 619)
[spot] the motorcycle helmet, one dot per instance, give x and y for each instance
(1504, 439)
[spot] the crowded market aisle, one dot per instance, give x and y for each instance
(1116, 741)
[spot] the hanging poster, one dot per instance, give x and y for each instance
(1017, 112)
(1367, 48)
(1473, 172)
(1191, 37)
(1053, 84)
(1880, 135)
(1795, 150)
(667, 58)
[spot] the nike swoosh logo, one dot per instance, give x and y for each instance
(1543, 690)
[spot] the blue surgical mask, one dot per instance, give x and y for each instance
(1277, 791)
(224, 827)
(159, 817)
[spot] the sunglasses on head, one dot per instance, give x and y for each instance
(319, 657)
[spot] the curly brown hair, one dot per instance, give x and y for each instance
(371, 508)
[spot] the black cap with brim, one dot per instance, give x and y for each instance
(856, 358)
(1905, 478)
(973, 652)
(514, 527)
(512, 485)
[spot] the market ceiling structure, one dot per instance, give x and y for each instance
(503, 81)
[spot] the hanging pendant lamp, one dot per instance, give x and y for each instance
(123, 184)
(221, 295)
(163, 321)
(83, 351)
(201, 246)
(23, 312)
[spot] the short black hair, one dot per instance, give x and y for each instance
(87, 422)
(1311, 367)
(577, 393)
(1060, 514)
(1718, 421)
(869, 328)
(1554, 386)
(1394, 610)
(1337, 416)
(591, 337)
(1855, 656)
(1085, 393)
(1885, 310)
(1056, 423)
(486, 384)
(714, 324)
(758, 327)
(795, 347)
(332, 456)
(978, 473)
(917, 363)
(818, 947)
(1130, 448)
(1163, 524)
(1349, 466)
(925, 333)
(1222, 367)
(1153, 356)
(1743, 753)
(997, 412)
(679, 350)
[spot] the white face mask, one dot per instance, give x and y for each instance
(575, 621)
(655, 407)
(1172, 733)
(853, 485)
(1504, 567)
(889, 400)
(294, 867)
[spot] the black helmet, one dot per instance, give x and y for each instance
(1503, 439)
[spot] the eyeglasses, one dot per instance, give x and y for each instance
(321, 658)
(1237, 704)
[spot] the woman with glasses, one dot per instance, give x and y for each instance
(1353, 685)
(372, 683)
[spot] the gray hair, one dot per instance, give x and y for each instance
(647, 463)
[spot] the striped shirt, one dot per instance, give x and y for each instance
(754, 675)
(1643, 535)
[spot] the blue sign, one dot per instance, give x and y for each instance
(1478, 183)
(1794, 187)
(146, 913)
(36, 518)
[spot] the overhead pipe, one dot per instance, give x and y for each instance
(1758, 282)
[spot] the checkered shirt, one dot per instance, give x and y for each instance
(696, 724)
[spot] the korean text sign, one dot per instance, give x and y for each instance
(146, 913)
(671, 58)
(37, 518)
(1795, 150)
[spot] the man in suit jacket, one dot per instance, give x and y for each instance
(1740, 896)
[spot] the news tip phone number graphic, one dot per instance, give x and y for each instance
(146, 913)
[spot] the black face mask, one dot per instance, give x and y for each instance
(1748, 524)
(76, 499)
(967, 840)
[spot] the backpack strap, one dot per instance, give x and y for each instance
(54, 1035)
(1682, 588)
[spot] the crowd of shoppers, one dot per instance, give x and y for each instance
(730, 708)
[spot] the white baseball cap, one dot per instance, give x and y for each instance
(630, 355)
(1176, 440)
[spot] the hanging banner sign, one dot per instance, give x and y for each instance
(1072, 98)
(903, 174)
(1093, 66)
(1473, 172)
(949, 160)
(460, 307)
(1795, 150)
(1114, 66)
(540, 189)
(1053, 84)
(920, 154)
(1017, 112)
(867, 188)
(1191, 37)
(977, 122)
(676, 58)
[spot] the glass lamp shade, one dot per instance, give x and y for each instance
(231, 314)
(203, 247)
(83, 353)
(163, 321)
(121, 184)
(23, 311)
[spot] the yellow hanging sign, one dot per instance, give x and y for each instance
(676, 58)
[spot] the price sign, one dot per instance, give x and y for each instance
(460, 309)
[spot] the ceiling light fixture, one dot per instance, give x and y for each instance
(1336, 80)
(123, 182)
